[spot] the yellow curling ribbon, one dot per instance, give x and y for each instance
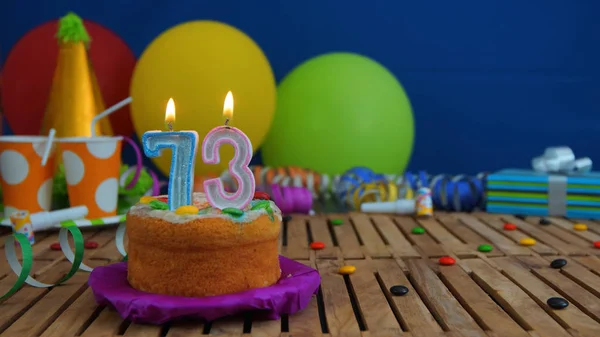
(373, 192)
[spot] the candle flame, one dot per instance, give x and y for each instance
(228, 106)
(170, 113)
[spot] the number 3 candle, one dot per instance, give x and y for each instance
(183, 145)
(238, 166)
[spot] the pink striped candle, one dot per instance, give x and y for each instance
(238, 166)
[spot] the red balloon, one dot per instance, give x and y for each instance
(28, 71)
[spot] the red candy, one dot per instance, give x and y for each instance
(261, 195)
(597, 244)
(55, 246)
(510, 226)
(90, 244)
(163, 199)
(317, 245)
(447, 261)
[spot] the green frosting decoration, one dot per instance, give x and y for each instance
(260, 205)
(155, 204)
(71, 29)
(234, 212)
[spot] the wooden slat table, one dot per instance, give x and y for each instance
(501, 293)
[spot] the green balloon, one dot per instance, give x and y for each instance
(337, 111)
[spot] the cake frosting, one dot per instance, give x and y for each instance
(210, 252)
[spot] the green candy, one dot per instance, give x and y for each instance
(337, 222)
(235, 212)
(485, 248)
(155, 204)
(418, 230)
(260, 205)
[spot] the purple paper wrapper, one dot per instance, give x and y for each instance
(293, 291)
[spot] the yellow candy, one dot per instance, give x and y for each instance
(527, 242)
(580, 227)
(146, 199)
(347, 270)
(183, 210)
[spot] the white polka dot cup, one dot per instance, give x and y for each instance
(92, 166)
(26, 184)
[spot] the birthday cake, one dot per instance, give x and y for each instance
(199, 250)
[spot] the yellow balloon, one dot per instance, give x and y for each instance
(197, 63)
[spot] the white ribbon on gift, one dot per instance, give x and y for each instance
(561, 160)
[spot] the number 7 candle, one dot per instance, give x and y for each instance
(183, 145)
(238, 166)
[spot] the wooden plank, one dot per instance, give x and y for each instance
(537, 232)
(399, 245)
(44, 252)
(266, 328)
(297, 240)
(565, 235)
(467, 235)
(593, 225)
(414, 313)
(306, 323)
(338, 308)
(229, 326)
(514, 300)
(570, 290)
(108, 249)
(582, 276)
(73, 319)
(446, 238)
(373, 244)
(346, 237)
(568, 226)
(428, 246)
(106, 324)
(41, 315)
(143, 330)
(478, 303)
(498, 240)
(320, 232)
(590, 262)
(185, 329)
(571, 317)
(379, 317)
(498, 224)
(448, 309)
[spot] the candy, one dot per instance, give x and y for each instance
(580, 227)
(90, 244)
(146, 199)
(399, 290)
(527, 242)
(235, 212)
(186, 210)
(544, 221)
(446, 261)
(261, 195)
(418, 230)
(558, 263)
(260, 205)
(155, 204)
(557, 303)
(510, 226)
(485, 248)
(337, 222)
(597, 244)
(347, 270)
(55, 246)
(163, 199)
(317, 245)
(521, 216)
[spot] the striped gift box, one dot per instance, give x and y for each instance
(527, 192)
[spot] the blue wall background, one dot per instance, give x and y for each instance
(492, 83)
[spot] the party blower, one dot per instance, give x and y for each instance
(402, 206)
(27, 224)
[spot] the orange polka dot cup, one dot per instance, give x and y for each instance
(26, 183)
(92, 166)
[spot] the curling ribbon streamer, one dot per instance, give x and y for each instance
(22, 271)
(292, 199)
(560, 160)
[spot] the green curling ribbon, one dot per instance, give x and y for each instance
(22, 271)
(155, 204)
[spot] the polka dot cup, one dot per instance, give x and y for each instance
(92, 167)
(26, 184)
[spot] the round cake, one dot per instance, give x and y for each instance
(210, 252)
